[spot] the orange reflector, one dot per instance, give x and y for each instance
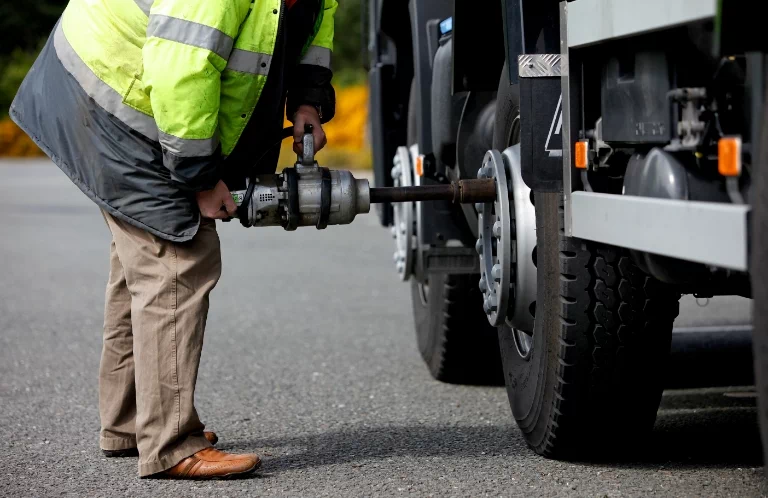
(581, 158)
(729, 156)
(419, 168)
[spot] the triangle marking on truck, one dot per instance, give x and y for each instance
(555, 129)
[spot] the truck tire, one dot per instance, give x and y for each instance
(506, 131)
(453, 335)
(593, 376)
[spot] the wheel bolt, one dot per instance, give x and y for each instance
(490, 304)
(479, 246)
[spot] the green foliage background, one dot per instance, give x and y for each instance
(25, 25)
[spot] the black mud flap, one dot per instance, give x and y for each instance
(541, 122)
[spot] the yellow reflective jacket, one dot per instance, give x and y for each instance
(192, 69)
(184, 75)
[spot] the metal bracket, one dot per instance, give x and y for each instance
(542, 65)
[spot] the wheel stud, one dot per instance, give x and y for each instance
(479, 246)
(490, 304)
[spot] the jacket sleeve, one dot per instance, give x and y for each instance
(187, 47)
(311, 84)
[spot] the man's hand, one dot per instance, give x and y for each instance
(216, 203)
(306, 114)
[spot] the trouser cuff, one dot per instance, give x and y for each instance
(117, 443)
(191, 445)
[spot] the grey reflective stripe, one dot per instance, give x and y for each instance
(317, 56)
(144, 5)
(190, 33)
(245, 61)
(189, 147)
(104, 95)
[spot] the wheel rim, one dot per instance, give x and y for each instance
(494, 242)
(403, 216)
(506, 245)
(424, 293)
(523, 343)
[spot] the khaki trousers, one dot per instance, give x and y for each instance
(154, 319)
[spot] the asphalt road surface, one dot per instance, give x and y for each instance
(310, 361)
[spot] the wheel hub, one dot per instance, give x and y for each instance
(506, 245)
(403, 215)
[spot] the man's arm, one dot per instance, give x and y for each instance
(188, 45)
(311, 84)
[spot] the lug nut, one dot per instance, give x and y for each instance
(483, 285)
(497, 229)
(479, 207)
(396, 256)
(490, 303)
(393, 231)
(496, 272)
(479, 246)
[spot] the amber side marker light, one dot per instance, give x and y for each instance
(581, 158)
(419, 165)
(729, 156)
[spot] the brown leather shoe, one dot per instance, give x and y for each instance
(132, 452)
(211, 463)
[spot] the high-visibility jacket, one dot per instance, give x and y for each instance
(139, 100)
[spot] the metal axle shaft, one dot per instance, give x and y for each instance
(462, 191)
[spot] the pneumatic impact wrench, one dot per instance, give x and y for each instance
(310, 195)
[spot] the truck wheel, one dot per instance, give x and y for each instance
(592, 375)
(452, 332)
(506, 130)
(453, 335)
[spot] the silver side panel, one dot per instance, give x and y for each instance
(703, 232)
(566, 136)
(593, 21)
